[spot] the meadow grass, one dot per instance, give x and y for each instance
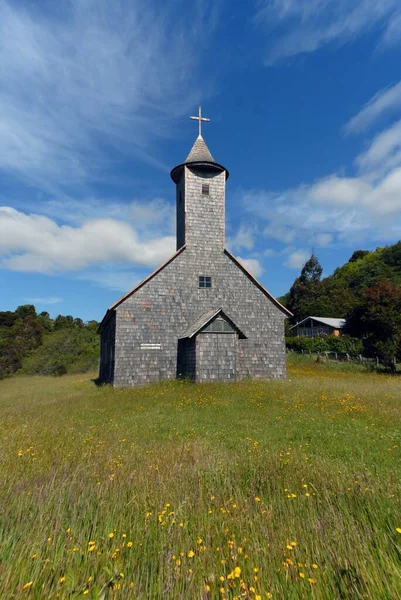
(278, 489)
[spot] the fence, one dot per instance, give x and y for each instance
(345, 357)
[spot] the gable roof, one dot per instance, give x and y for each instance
(331, 322)
(204, 319)
(137, 287)
(285, 310)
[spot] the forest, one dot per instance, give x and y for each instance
(366, 291)
(35, 344)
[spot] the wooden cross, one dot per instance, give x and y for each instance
(199, 118)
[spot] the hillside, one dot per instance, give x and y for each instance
(338, 294)
(35, 344)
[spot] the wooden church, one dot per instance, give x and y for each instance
(201, 315)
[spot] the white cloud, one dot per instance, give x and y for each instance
(323, 239)
(38, 244)
(116, 280)
(252, 265)
(243, 239)
(91, 76)
(384, 102)
(306, 25)
(297, 259)
(145, 215)
(336, 209)
(383, 154)
(339, 191)
(44, 300)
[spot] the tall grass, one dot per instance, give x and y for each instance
(248, 490)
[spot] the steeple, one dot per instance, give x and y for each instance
(200, 196)
(199, 152)
(199, 156)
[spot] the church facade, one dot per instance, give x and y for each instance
(200, 315)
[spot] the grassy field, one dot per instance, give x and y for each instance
(251, 490)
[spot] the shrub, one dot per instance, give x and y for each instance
(341, 344)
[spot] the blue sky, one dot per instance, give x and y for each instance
(304, 98)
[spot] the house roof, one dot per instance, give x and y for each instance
(137, 287)
(331, 322)
(204, 319)
(285, 310)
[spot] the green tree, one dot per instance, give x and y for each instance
(377, 321)
(305, 292)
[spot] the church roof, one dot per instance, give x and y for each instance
(283, 309)
(199, 152)
(137, 287)
(204, 319)
(199, 156)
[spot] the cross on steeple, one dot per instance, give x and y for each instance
(199, 118)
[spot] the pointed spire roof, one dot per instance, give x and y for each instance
(199, 152)
(199, 156)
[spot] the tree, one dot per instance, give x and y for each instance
(306, 290)
(377, 320)
(358, 254)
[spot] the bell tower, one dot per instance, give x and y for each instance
(200, 197)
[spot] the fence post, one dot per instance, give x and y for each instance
(347, 357)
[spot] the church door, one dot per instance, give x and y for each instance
(216, 355)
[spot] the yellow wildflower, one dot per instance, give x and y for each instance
(311, 580)
(314, 565)
(199, 541)
(207, 588)
(302, 575)
(130, 544)
(398, 529)
(257, 499)
(191, 554)
(34, 556)
(62, 579)
(27, 585)
(111, 535)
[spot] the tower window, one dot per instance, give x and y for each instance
(205, 282)
(205, 189)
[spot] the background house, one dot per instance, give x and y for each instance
(318, 326)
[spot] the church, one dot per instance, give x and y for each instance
(201, 315)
